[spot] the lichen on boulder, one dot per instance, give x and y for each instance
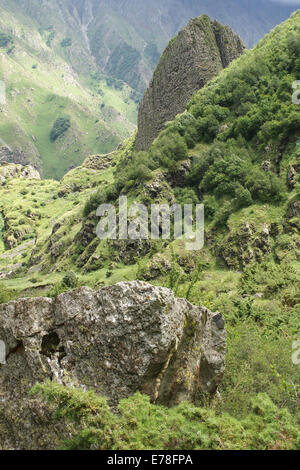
(123, 338)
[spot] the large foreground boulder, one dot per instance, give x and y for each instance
(128, 337)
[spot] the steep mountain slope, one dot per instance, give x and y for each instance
(42, 87)
(119, 43)
(236, 150)
(124, 38)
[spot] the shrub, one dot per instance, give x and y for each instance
(223, 214)
(70, 280)
(207, 128)
(221, 169)
(60, 126)
(225, 175)
(6, 295)
(210, 206)
(242, 197)
(169, 150)
(66, 42)
(267, 277)
(95, 200)
(136, 172)
(252, 355)
(265, 186)
(5, 39)
(186, 196)
(140, 425)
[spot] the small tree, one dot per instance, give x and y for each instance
(60, 126)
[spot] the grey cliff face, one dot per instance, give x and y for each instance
(196, 55)
(128, 337)
(19, 157)
(12, 170)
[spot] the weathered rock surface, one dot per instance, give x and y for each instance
(197, 54)
(246, 245)
(12, 170)
(128, 337)
(99, 162)
(19, 157)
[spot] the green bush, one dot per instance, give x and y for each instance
(186, 196)
(258, 361)
(6, 295)
(5, 39)
(221, 169)
(222, 214)
(210, 206)
(268, 277)
(95, 200)
(169, 150)
(140, 425)
(70, 280)
(136, 172)
(60, 126)
(242, 198)
(66, 42)
(265, 186)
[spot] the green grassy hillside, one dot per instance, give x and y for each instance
(41, 87)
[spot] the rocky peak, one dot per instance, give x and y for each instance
(229, 43)
(199, 52)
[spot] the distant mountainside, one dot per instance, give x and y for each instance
(53, 116)
(125, 38)
(76, 69)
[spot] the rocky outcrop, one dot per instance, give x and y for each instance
(245, 245)
(99, 162)
(19, 157)
(120, 339)
(197, 54)
(293, 175)
(12, 170)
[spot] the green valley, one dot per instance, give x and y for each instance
(41, 87)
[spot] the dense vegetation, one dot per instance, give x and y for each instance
(66, 42)
(122, 62)
(141, 425)
(5, 39)
(60, 126)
